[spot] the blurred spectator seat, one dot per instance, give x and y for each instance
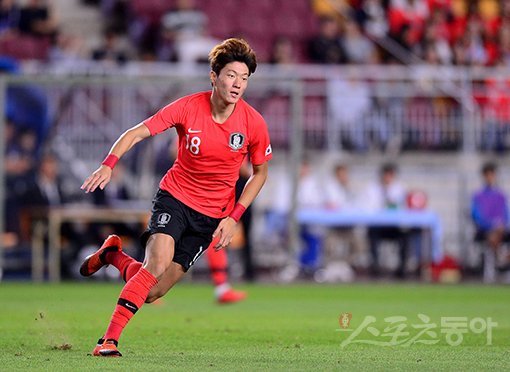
(258, 21)
(268, 19)
(24, 47)
(150, 10)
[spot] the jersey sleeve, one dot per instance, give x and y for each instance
(172, 114)
(260, 146)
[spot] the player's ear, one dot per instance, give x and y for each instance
(213, 77)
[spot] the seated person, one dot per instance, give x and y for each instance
(341, 195)
(387, 193)
(309, 195)
(45, 189)
(489, 210)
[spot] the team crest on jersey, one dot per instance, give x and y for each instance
(163, 219)
(236, 141)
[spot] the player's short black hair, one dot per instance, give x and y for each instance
(489, 167)
(232, 50)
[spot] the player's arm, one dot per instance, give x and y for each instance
(226, 227)
(102, 175)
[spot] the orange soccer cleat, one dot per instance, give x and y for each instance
(97, 260)
(106, 348)
(232, 296)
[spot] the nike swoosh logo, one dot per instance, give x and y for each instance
(194, 131)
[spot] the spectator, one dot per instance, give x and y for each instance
(26, 105)
(112, 50)
(410, 15)
(66, 51)
(46, 189)
(116, 14)
(9, 16)
(460, 53)
(186, 25)
(372, 16)
(37, 18)
(20, 150)
(358, 48)
(309, 195)
(339, 192)
(504, 44)
(17, 166)
(437, 37)
(283, 52)
(327, 47)
(341, 195)
(474, 43)
(387, 193)
(489, 210)
(348, 103)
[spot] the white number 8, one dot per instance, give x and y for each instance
(193, 145)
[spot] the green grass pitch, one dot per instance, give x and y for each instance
(291, 328)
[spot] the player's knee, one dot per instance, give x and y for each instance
(157, 267)
(157, 259)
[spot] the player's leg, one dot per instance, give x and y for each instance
(169, 278)
(218, 267)
(167, 223)
(158, 258)
(110, 253)
(187, 251)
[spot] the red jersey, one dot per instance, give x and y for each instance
(210, 154)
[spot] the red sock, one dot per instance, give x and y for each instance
(126, 264)
(218, 265)
(131, 270)
(131, 298)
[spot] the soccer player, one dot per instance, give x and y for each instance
(217, 260)
(195, 200)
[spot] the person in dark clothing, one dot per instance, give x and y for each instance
(45, 190)
(37, 19)
(327, 46)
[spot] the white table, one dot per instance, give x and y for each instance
(423, 219)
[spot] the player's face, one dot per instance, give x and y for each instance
(231, 82)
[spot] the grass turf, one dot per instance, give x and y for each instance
(294, 327)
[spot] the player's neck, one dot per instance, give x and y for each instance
(220, 110)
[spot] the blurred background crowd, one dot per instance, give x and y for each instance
(444, 32)
(417, 88)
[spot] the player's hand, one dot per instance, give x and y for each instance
(224, 232)
(99, 178)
